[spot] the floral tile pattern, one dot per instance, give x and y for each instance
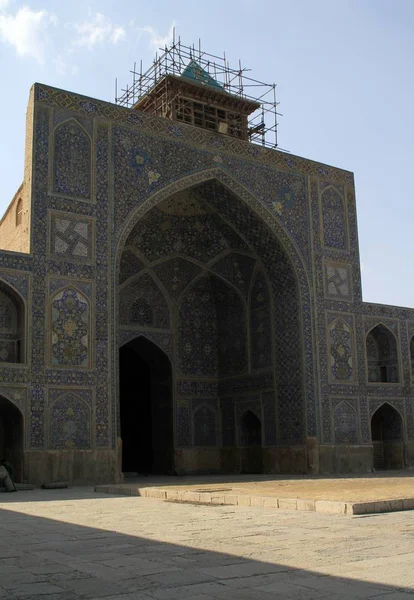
(70, 328)
(72, 160)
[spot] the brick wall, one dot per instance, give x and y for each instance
(14, 231)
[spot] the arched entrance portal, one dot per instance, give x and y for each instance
(145, 408)
(202, 274)
(387, 438)
(11, 435)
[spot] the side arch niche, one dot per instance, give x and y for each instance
(12, 326)
(70, 328)
(345, 424)
(204, 426)
(72, 164)
(382, 356)
(387, 434)
(12, 435)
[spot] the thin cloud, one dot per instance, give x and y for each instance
(158, 41)
(26, 31)
(98, 31)
(63, 67)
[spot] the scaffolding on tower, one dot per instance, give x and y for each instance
(163, 91)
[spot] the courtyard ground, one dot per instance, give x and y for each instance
(75, 543)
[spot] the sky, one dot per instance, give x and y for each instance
(344, 75)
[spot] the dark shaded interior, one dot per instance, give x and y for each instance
(387, 438)
(145, 408)
(251, 442)
(11, 436)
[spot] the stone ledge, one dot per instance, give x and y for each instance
(331, 507)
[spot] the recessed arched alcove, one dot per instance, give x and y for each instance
(203, 274)
(382, 355)
(387, 438)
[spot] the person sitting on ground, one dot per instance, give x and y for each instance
(7, 475)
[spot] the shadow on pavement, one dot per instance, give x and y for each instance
(51, 558)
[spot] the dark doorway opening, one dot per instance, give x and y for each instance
(251, 443)
(11, 436)
(387, 438)
(146, 412)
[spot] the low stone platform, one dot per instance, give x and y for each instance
(346, 495)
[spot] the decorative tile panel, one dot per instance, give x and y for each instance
(70, 328)
(71, 237)
(338, 281)
(341, 348)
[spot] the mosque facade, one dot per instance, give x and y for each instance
(174, 299)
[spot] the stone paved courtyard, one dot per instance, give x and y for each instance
(71, 544)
